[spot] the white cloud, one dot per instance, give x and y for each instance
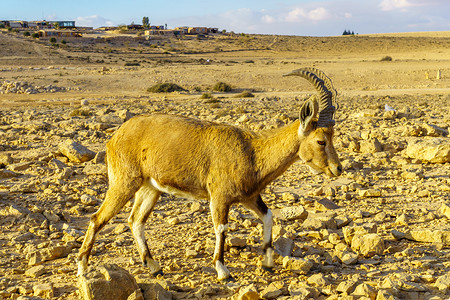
(93, 21)
(387, 5)
(267, 19)
(299, 14)
(295, 15)
(318, 14)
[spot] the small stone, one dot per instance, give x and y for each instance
(369, 193)
(291, 213)
(402, 220)
(88, 200)
(325, 204)
(108, 282)
(435, 150)
(243, 119)
(44, 290)
(284, 246)
(156, 290)
(365, 290)
(236, 242)
(191, 253)
(443, 283)
(297, 265)
(445, 209)
(76, 152)
(368, 245)
(273, 290)
(173, 221)
(347, 286)
(248, 292)
(318, 280)
(289, 197)
(370, 146)
(196, 207)
(349, 258)
(35, 271)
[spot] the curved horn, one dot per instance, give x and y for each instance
(323, 85)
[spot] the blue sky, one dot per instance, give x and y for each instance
(300, 17)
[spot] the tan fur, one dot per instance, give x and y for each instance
(203, 160)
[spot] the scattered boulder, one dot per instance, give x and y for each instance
(155, 291)
(291, 213)
(274, 290)
(106, 282)
(43, 290)
(368, 245)
(297, 265)
(436, 150)
(424, 235)
(76, 152)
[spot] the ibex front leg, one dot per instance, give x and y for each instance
(265, 215)
(219, 214)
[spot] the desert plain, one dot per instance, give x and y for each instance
(379, 231)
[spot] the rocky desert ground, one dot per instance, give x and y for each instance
(379, 231)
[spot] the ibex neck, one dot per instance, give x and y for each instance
(276, 151)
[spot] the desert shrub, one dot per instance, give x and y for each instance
(222, 87)
(64, 42)
(386, 58)
(165, 88)
(206, 96)
(26, 33)
(53, 40)
(35, 35)
(245, 94)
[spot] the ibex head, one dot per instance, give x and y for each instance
(316, 125)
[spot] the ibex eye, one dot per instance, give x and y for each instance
(322, 143)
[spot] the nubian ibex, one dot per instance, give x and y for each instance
(155, 154)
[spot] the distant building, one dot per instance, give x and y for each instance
(58, 33)
(197, 30)
(39, 24)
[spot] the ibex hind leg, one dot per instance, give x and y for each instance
(145, 199)
(219, 213)
(265, 215)
(116, 197)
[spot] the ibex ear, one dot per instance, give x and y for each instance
(307, 113)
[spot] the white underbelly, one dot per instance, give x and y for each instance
(173, 191)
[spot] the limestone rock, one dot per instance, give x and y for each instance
(248, 292)
(4, 173)
(365, 290)
(291, 213)
(297, 265)
(35, 271)
(317, 280)
(319, 221)
(76, 152)
(443, 283)
(370, 146)
(44, 290)
(273, 290)
(436, 150)
(424, 235)
(368, 245)
(347, 286)
(106, 282)
(349, 258)
(284, 246)
(445, 209)
(155, 291)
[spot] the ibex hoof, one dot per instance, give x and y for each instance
(268, 269)
(227, 279)
(159, 272)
